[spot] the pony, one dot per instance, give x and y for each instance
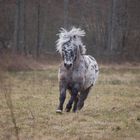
(78, 72)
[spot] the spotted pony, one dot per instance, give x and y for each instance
(78, 72)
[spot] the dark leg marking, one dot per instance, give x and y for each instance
(74, 93)
(61, 99)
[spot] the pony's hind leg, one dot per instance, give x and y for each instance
(75, 104)
(82, 97)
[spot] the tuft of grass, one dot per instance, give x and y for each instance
(111, 111)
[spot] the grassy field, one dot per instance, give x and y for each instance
(28, 100)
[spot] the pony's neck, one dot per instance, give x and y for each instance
(78, 58)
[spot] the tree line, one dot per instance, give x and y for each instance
(29, 27)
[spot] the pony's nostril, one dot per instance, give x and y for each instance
(67, 65)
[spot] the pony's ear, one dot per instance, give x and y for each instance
(82, 49)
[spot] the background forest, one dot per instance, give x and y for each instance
(112, 27)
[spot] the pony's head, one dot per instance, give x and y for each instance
(70, 44)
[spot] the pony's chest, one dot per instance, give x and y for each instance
(74, 76)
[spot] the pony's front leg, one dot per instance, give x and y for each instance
(61, 99)
(74, 94)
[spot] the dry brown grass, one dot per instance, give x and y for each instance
(19, 62)
(111, 112)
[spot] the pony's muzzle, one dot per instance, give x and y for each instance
(67, 65)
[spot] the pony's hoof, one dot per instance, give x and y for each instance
(59, 111)
(74, 110)
(67, 109)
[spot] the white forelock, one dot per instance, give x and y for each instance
(64, 36)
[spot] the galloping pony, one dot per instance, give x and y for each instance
(78, 72)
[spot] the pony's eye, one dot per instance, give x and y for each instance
(63, 52)
(74, 37)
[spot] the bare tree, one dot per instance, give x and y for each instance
(21, 26)
(24, 28)
(38, 29)
(111, 25)
(16, 27)
(123, 27)
(66, 2)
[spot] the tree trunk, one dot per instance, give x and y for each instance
(38, 29)
(16, 27)
(111, 26)
(66, 2)
(24, 28)
(124, 28)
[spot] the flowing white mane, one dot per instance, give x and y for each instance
(65, 36)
